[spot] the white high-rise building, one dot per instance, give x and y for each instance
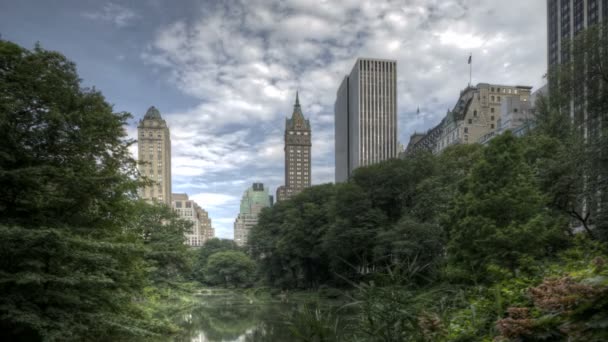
(201, 223)
(366, 116)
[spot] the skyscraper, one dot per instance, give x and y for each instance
(253, 201)
(566, 18)
(154, 156)
(366, 116)
(201, 223)
(297, 154)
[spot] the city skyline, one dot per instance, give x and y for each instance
(226, 119)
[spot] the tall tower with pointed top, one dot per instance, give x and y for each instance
(297, 154)
(154, 156)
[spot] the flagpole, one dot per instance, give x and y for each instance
(470, 68)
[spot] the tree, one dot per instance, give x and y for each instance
(210, 247)
(350, 240)
(163, 234)
(499, 217)
(229, 268)
(68, 268)
(580, 85)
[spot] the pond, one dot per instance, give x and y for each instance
(227, 316)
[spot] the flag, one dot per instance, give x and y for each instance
(470, 58)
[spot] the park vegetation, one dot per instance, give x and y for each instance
(81, 258)
(503, 242)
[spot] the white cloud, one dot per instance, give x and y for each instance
(212, 199)
(244, 61)
(119, 15)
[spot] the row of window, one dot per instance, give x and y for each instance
(298, 133)
(504, 90)
(178, 204)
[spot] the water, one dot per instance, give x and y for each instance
(225, 316)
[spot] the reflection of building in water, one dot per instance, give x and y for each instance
(254, 200)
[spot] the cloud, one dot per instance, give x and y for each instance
(118, 15)
(244, 60)
(212, 199)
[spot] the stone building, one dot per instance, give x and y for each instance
(424, 141)
(154, 156)
(253, 201)
(476, 113)
(201, 223)
(366, 116)
(297, 154)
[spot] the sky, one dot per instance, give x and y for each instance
(224, 73)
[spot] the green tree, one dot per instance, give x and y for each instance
(230, 268)
(210, 247)
(499, 217)
(68, 268)
(163, 234)
(349, 241)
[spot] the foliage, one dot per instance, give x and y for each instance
(162, 231)
(499, 217)
(210, 247)
(229, 268)
(73, 264)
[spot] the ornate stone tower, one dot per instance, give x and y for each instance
(297, 154)
(154, 156)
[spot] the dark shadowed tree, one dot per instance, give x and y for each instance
(69, 270)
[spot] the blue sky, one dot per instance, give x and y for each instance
(224, 73)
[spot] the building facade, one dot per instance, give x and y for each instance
(366, 116)
(201, 223)
(154, 156)
(565, 20)
(424, 141)
(297, 154)
(253, 201)
(476, 113)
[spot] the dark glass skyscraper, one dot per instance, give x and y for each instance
(566, 18)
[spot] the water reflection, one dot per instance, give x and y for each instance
(232, 317)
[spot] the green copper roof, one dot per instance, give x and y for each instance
(254, 199)
(152, 114)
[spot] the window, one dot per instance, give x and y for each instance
(470, 121)
(178, 204)
(492, 118)
(492, 89)
(515, 110)
(475, 113)
(492, 98)
(492, 126)
(188, 204)
(491, 110)
(498, 90)
(498, 98)
(466, 130)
